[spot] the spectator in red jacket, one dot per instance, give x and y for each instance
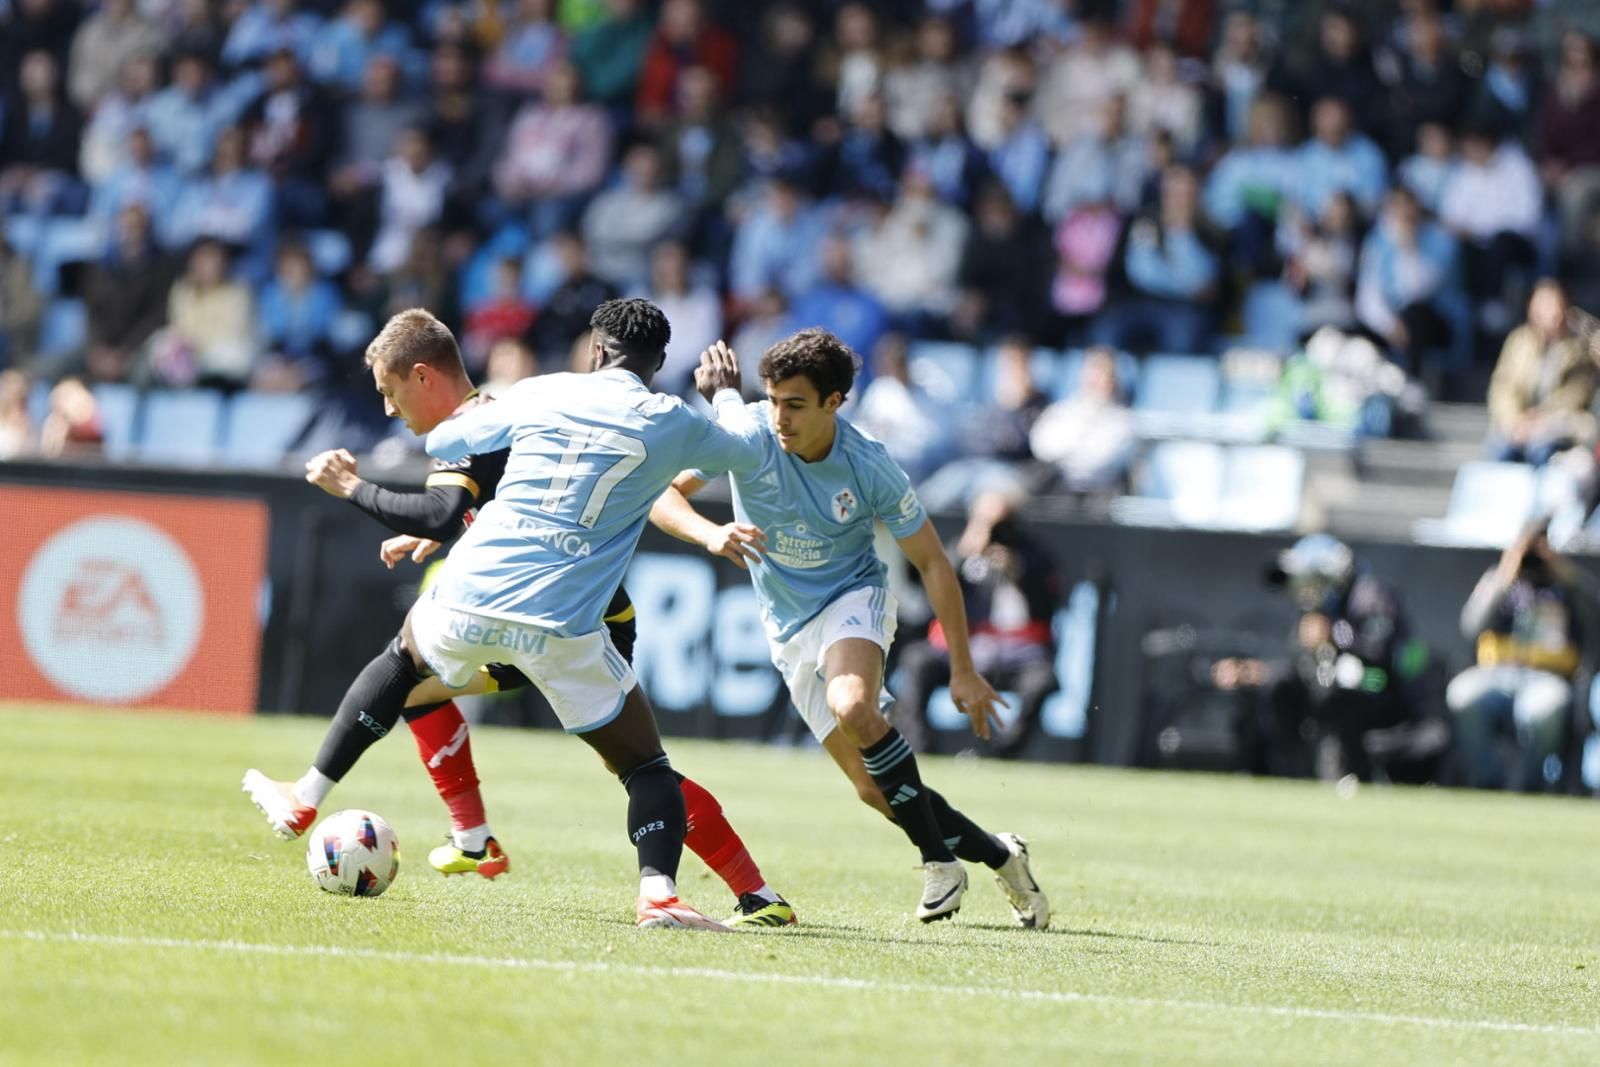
(682, 39)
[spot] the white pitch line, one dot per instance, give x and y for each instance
(519, 963)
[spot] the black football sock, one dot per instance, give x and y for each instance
(413, 714)
(656, 817)
(369, 710)
(893, 767)
(967, 839)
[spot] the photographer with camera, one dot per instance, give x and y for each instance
(1531, 618)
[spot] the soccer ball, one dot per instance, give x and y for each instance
(353, 852)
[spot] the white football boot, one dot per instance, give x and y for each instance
(288, 817)
(1028, 902)
(943, 885)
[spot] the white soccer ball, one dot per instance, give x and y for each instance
(353, 852)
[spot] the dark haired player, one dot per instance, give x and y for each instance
(824, 596)
(417, 368)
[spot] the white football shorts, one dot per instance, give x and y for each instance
(585, 678)
(869, 614)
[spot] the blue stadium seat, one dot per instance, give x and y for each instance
(1046, 366)
(64, 328)
(946, 369)
(1178, 484)
(1175, 393)
(1489, 504)
(1272, 316)
(64, 240)
(261, 427)
(119, 417)
(1262, 487)
(181, 427)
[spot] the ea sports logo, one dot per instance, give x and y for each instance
(110, 609)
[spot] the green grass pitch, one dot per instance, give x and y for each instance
(147, 915)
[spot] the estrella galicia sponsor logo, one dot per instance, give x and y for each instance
(497, 635)
(796, 546)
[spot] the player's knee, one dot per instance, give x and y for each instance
(639, 769)
(850, 702)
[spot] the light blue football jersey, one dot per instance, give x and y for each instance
(818, 517)
(590, 454)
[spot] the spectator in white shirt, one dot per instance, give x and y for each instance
(1089, 436)
(1492, 201)
(412, 188)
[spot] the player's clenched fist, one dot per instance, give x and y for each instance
(719, 369)
(334, 472)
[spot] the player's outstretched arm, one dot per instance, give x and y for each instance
(970, 691)
(674, 514)
(434, 514)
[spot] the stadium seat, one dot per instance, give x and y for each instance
(64, 329)
(329, 250)
(181, 427)
(1272, 316)
(1046, 364)
(1489, 504)
(1070, 373)
(1175, 394)
(62, 241)
(261, 427)
(1261, 488)
(1178, 484)
(946, 369)
(119, 417)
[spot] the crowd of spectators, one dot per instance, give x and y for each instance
(239, 192)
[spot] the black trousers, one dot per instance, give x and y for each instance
(924, 668)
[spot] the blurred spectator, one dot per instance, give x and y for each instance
(837, 302)
(1337, 159)
(1569, 153)
(700, 149)
(1543, 384)
(555, 156)
(1171, 274)
(193, 26)
(411, 195)
(1011, 23)
(1005, 272)
(766, 322)
(372, 124)
(566, 313)
(39, 143)
(466, 130)
(1238, 73)
(139, 179)
(72, 429)
(1001, 74)
(1320, 258)
(855, 59)
(185, 116)
(532, 46)
(425, 280)
(910, 258)
(119, 112)
(1162, 100)
(784, 73)
(290, 129)
(1492, 201)
(345, 47)
(683, 38)
(231, 202)
(1097, 66)
(691, 307)
(1253, 182)
(947, 155)
(867, 158)
(1431, 86)
(1341, 68)
(1088, 438)
(1021, 155)
(1428, 170)
(1011, 590)
(1532, 618)
(104, 42)
(267, 27)
(914, 425)
(995, 452)
(210, 337)
(1507, 96)
(510, 361)
(21, 308)
(1186, 25)
(296, 320)
(1085, 243)
(126, 295)
(1103, 166)
(503, 313)
(1341, 381)
(915, 90)
(1408, 287)
(16, 426)
(775, 244)
(610, 53)
(622, 223)
(35, 26)
(1359, 683)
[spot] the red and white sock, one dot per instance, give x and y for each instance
(712, 838)
(445, 746)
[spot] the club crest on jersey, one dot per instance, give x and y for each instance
(844, 504)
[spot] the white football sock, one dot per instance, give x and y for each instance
(657, 887)
(313, 788)
(474, 840)
(768, 894)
